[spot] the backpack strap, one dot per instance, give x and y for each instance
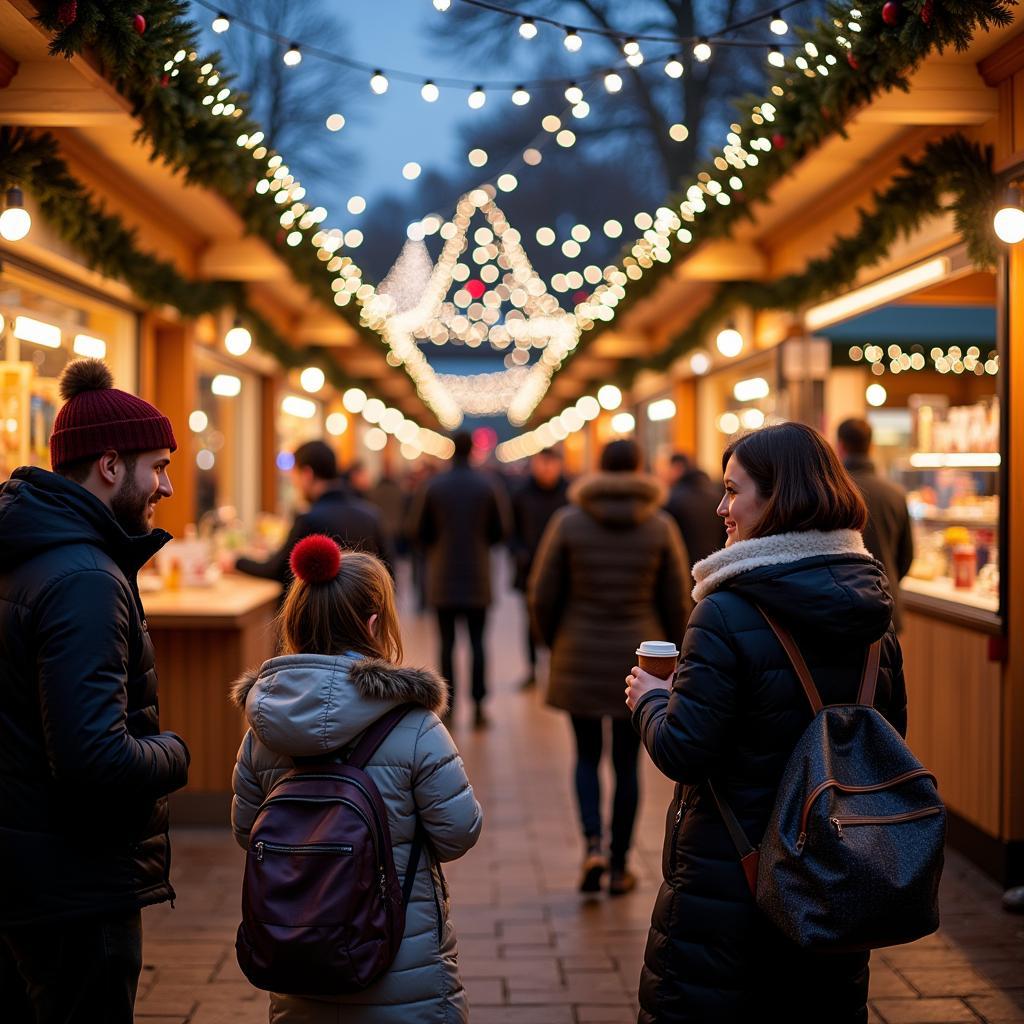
(869, 680)
(419, 840)
(375, 734)
(749, 854)
(796, 659)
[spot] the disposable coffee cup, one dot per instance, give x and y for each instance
(658, 657)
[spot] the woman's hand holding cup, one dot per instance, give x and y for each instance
(657, 666)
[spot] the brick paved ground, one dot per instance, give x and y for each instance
(532, 950)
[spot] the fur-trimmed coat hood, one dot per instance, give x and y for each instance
(618, 499)
(307, 704)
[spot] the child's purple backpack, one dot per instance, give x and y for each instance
(322, 911)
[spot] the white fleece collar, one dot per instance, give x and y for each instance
(778, 549)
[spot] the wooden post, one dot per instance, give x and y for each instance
(268, 444)
(684, 426)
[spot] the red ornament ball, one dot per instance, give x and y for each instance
(316, 559)
(165, 80)
(927, 11)
(140, 23)
(852, 60)
(778, 141)
(67, 13)
(476, 287)
(891, 12)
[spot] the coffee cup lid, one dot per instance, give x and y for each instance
(658, 649)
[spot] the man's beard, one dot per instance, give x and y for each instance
(129, 506)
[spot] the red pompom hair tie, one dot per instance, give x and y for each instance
(316, 559)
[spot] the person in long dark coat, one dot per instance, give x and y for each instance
(735, 712)
(609, 574)
(888, 534)
(534, 502)
(458, 517)
(693, 503)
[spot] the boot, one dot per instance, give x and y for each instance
(595, 864)
(621, 881)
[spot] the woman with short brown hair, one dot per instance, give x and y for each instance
(735, 712)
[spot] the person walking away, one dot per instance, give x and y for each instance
(693, 504)
(388, 498)
(888, 534)
(337, 674)
(84, 768)
(333, 510)
(735, 712)
(460, 515)
(609, 574)
(534, 502)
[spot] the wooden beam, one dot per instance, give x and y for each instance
(726, 260)
(940, 94)
(8, 69)
(245, 259)
(52, 94)
(324, 327)
(1006, 61)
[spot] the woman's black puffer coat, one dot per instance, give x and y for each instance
(735, 713)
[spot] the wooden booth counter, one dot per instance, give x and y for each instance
(204, 639)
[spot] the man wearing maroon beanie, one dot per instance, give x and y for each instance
(84, 768)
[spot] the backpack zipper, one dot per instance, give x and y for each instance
(872, 788)
(374, 833)
(840, 823)
(312, 848)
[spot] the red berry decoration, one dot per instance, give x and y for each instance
(140, 23)
(316, 559)
(891, 12)
(67, 13)
(165, 80)
(778, 141)
(927, 11)
(852, 60)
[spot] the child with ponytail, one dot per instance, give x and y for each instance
(337, 674)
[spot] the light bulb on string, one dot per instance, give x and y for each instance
(220, 23)
(702, 51)
(573, 41)
(776, 58)
(630, 47)
(520, 97)
(442, 5)
(674, 67)
(613, 81)
(293, 55)
(1009, 220)
(379, 82)
(15, 221)
(477, 98)
(237, 340)
(528, 28)
(573, 93)
(430, 92)
(778, 25)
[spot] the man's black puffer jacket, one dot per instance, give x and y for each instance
(84, 769)
(735, 712)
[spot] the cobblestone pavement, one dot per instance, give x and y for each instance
(532, 950)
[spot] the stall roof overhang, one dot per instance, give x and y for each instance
(948, 91)
(194, 226)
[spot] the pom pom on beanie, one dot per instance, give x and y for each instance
(316, 559)
(84, 375)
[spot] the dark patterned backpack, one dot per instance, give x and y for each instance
(322, 911)
(853, 852)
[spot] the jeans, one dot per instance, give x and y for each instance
(625, 750)
(83, 971)
(476, 619)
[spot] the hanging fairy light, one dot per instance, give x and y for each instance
(573, 41)
(613, 81)
(15, 221)
(379, 82)
(293, 55)
(520, 97)
(776, 58)
(238, 340)
(442, 5)
(778, 24)
(702, 51)
(430, 92)
(528, 28)
(477, 98)
(220, 24)
(674, 67)
(573, 93)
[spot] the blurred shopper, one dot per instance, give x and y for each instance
(534, 502)
(610, 573)
(693, 503)
(357, 478)
(736, 711)
(387, 496)
(888, 534)
(459, 515)
(333, 510)
(84, 768)
(338, 673)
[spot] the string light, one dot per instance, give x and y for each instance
(15, 221)
(778, 25)
(573, 41)
(477, 98)
(702, 51)
(442, 5)
(574, 94)
(238, 340)
(520, 97)
(220, 23)
(430, 92)
(776, 58)
(292, 56)
(335, 122)
(411, 171)
(379, 82)
(528, 28)
(613, 81)
(674, 67)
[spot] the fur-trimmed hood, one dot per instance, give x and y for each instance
(618, 499)
(823, 580)
(309, 704)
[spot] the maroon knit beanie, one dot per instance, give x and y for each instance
(97, 418)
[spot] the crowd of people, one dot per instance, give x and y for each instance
(794, 531)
